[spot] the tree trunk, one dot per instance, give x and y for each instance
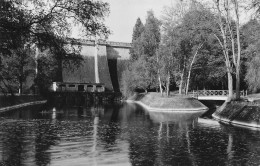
(158, 72)
(237, 84)
(168, 84)
(160, 83)
(238, 52)
(230, 86)
(181, 82)
(225, 50)
(20, 86)
(188, 82)
(193, 60)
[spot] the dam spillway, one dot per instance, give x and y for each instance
(110, 59)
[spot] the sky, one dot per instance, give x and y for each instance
(124, 13)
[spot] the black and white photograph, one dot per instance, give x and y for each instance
(129, 82)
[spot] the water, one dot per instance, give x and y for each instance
(121, 134)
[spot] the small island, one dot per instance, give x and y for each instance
(153, 101)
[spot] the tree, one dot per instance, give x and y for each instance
(227, 35)
(151, 36)
(167, 66)
(137, 49)
(186, 40)
(253, 74)
(137, 77)
(47, 24)
(250, 44)
(171, 20)
(150, 40)
(143, 70)
(195, 28)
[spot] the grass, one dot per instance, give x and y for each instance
(255, 95)
(155, 100)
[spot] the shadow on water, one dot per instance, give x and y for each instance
(120, 134)
(212, 105)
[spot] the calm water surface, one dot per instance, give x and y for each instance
(121, 134)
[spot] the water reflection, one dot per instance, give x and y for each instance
(121, 135)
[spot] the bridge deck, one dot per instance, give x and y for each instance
(212, 97)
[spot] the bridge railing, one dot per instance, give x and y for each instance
(197, 93)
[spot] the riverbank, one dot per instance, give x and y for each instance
(240, 113)
(4, 109)
(155, 102)
(13, 102)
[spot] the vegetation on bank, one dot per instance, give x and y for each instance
(195, 45)
(155, 100)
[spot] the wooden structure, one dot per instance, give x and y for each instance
(81, 93)
(77, 87)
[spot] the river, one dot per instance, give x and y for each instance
(121, 134)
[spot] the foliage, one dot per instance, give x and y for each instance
(142, 71)
(250, 45)
(137, 49)
(151, 35)
(139, 76)
(47, 24)
(47, 71)
(253, 74)
(192, 47)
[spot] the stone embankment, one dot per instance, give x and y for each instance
(155, 102)
(240, 113)
(8, 103)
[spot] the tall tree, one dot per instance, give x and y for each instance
(150, 40)
(188, 37)
(251, 50)
(230, 33)
(143, 69)
(151, 36)
(137, 49)
(171, 19)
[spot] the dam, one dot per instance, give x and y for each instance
(103, 62)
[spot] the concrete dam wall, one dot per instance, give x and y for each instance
(103, 62)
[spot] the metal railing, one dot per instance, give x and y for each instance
(197, 93)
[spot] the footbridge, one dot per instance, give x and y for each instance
(213, 94)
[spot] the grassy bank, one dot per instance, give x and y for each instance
(156, 101)
(6, 101)
(239, 113)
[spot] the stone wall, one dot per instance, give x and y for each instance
(240, 113)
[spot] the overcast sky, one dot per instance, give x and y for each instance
(124, 13)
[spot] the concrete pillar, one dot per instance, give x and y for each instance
(97, 80)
